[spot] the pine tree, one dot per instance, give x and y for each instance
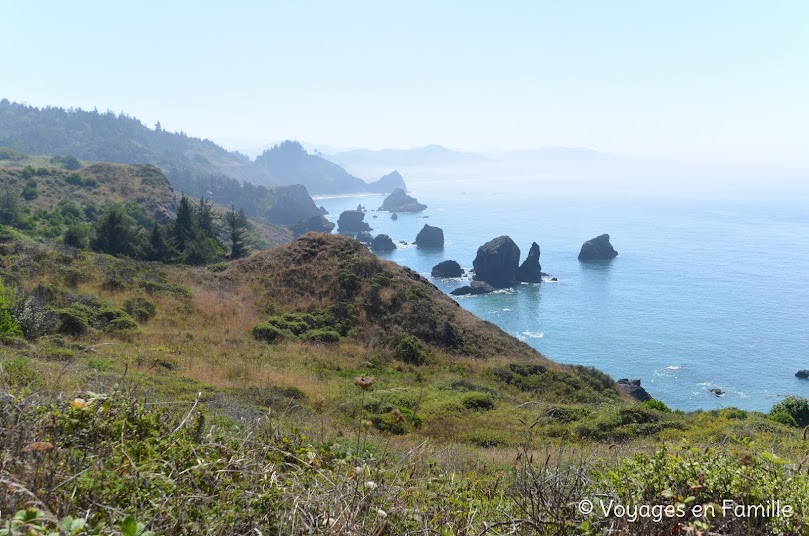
(236, 233)
(161, 248)
(207, 219)
(185, 224)
(115, 234)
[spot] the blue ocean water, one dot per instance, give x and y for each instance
(705, 293)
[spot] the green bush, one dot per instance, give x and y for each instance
(267, 332)
(782, 417)
(140, 308)
(478, 401)
(74, 320)
(322, 335)
(8, 299)
(409, 349)
(795, 406)
(658, 405)
(19, 372)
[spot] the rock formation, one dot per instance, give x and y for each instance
(717, 392)
(317, 224)
(597, 249)
(802, 374)
(292, 204)
(447, 269)
(394, 216)
(387, 184)
(430, 237)
(382, 243)
(399, 201)
(496, 262)
(351, 221)
(474, 288)
(633, 388)
(364, 237)
(530, 270)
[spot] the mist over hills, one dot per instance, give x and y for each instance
(186, 160)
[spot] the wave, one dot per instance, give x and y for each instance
(534, 334)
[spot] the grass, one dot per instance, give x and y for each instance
(446, 440)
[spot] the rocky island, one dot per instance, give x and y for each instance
(430, 237)
(399, 201)
(351, 222)
(496, 262)
(597, 249)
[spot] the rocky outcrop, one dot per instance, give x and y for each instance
(474, 288)
(399, 201)
(802, 374)
(291, 204)
(394, 216)
(496, 262)
(430, 237)
(387, 184)
(597, 249)
(530, 270)
(382, 243)
(717, 392)
(364, 237)
(323, 210)
(633, 388)
(317, 224)
(351, 221)
(447, 269)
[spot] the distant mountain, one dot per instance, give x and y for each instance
(429, 155)
(187, 161)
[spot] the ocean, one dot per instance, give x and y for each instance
(708, 291)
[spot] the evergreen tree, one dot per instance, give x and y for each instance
(9, 206)
(236, 233)
(185, 224)
(115, 234)
(161, 247)
(207, 219)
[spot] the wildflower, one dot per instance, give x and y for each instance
(382, 514)
(371, 485)
(79, 403)
(364, 382)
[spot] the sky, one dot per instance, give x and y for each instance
(720, 81)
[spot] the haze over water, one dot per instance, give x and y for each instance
(707, 292)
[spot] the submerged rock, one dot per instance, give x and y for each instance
(802, 374)
(351, 221)
(474, 288)
(399, 201)
(496, 262)
(382, 243)
(430, 237)
(447, 269)
(597, 249)
(717, 392)
(394, 216)
(530, 270)
(633, 388)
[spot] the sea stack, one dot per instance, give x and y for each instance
(350, 222)
(382, 243)
(447, 269)
(530, 271)
(399, 201)
(430, 237)
(597, 249)
(496, 262)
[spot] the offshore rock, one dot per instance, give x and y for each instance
(382, 243)
(317, 224)
(530, 271)
(447, 269)
(430, 237)
(364, 237)
(496, 262)
(474, 288)
(399, 201)
(350, 221)
(597, 249)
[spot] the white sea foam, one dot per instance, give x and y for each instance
(534, 334)
(674, 367)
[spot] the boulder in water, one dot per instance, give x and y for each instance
(496, 262)
(597, 249)
(802, 374)
(351, 222)
(382, 242)
(447, 269)
(530, 270)
(430, 237)
(474, 288)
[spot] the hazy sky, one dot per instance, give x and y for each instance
(724, 81)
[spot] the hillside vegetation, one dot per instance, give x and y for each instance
(314, 388)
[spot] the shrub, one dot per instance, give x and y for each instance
(322, 335)
(121, 323)
(18, 372)
(782, 417)
(140, 308)
(409, 349)
(795, 406)
(478, 401)
(267, 332)
(658, 405)
(8, 299)
(74, 319)
(34, 317)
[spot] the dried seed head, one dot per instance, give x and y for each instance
(364, 382)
